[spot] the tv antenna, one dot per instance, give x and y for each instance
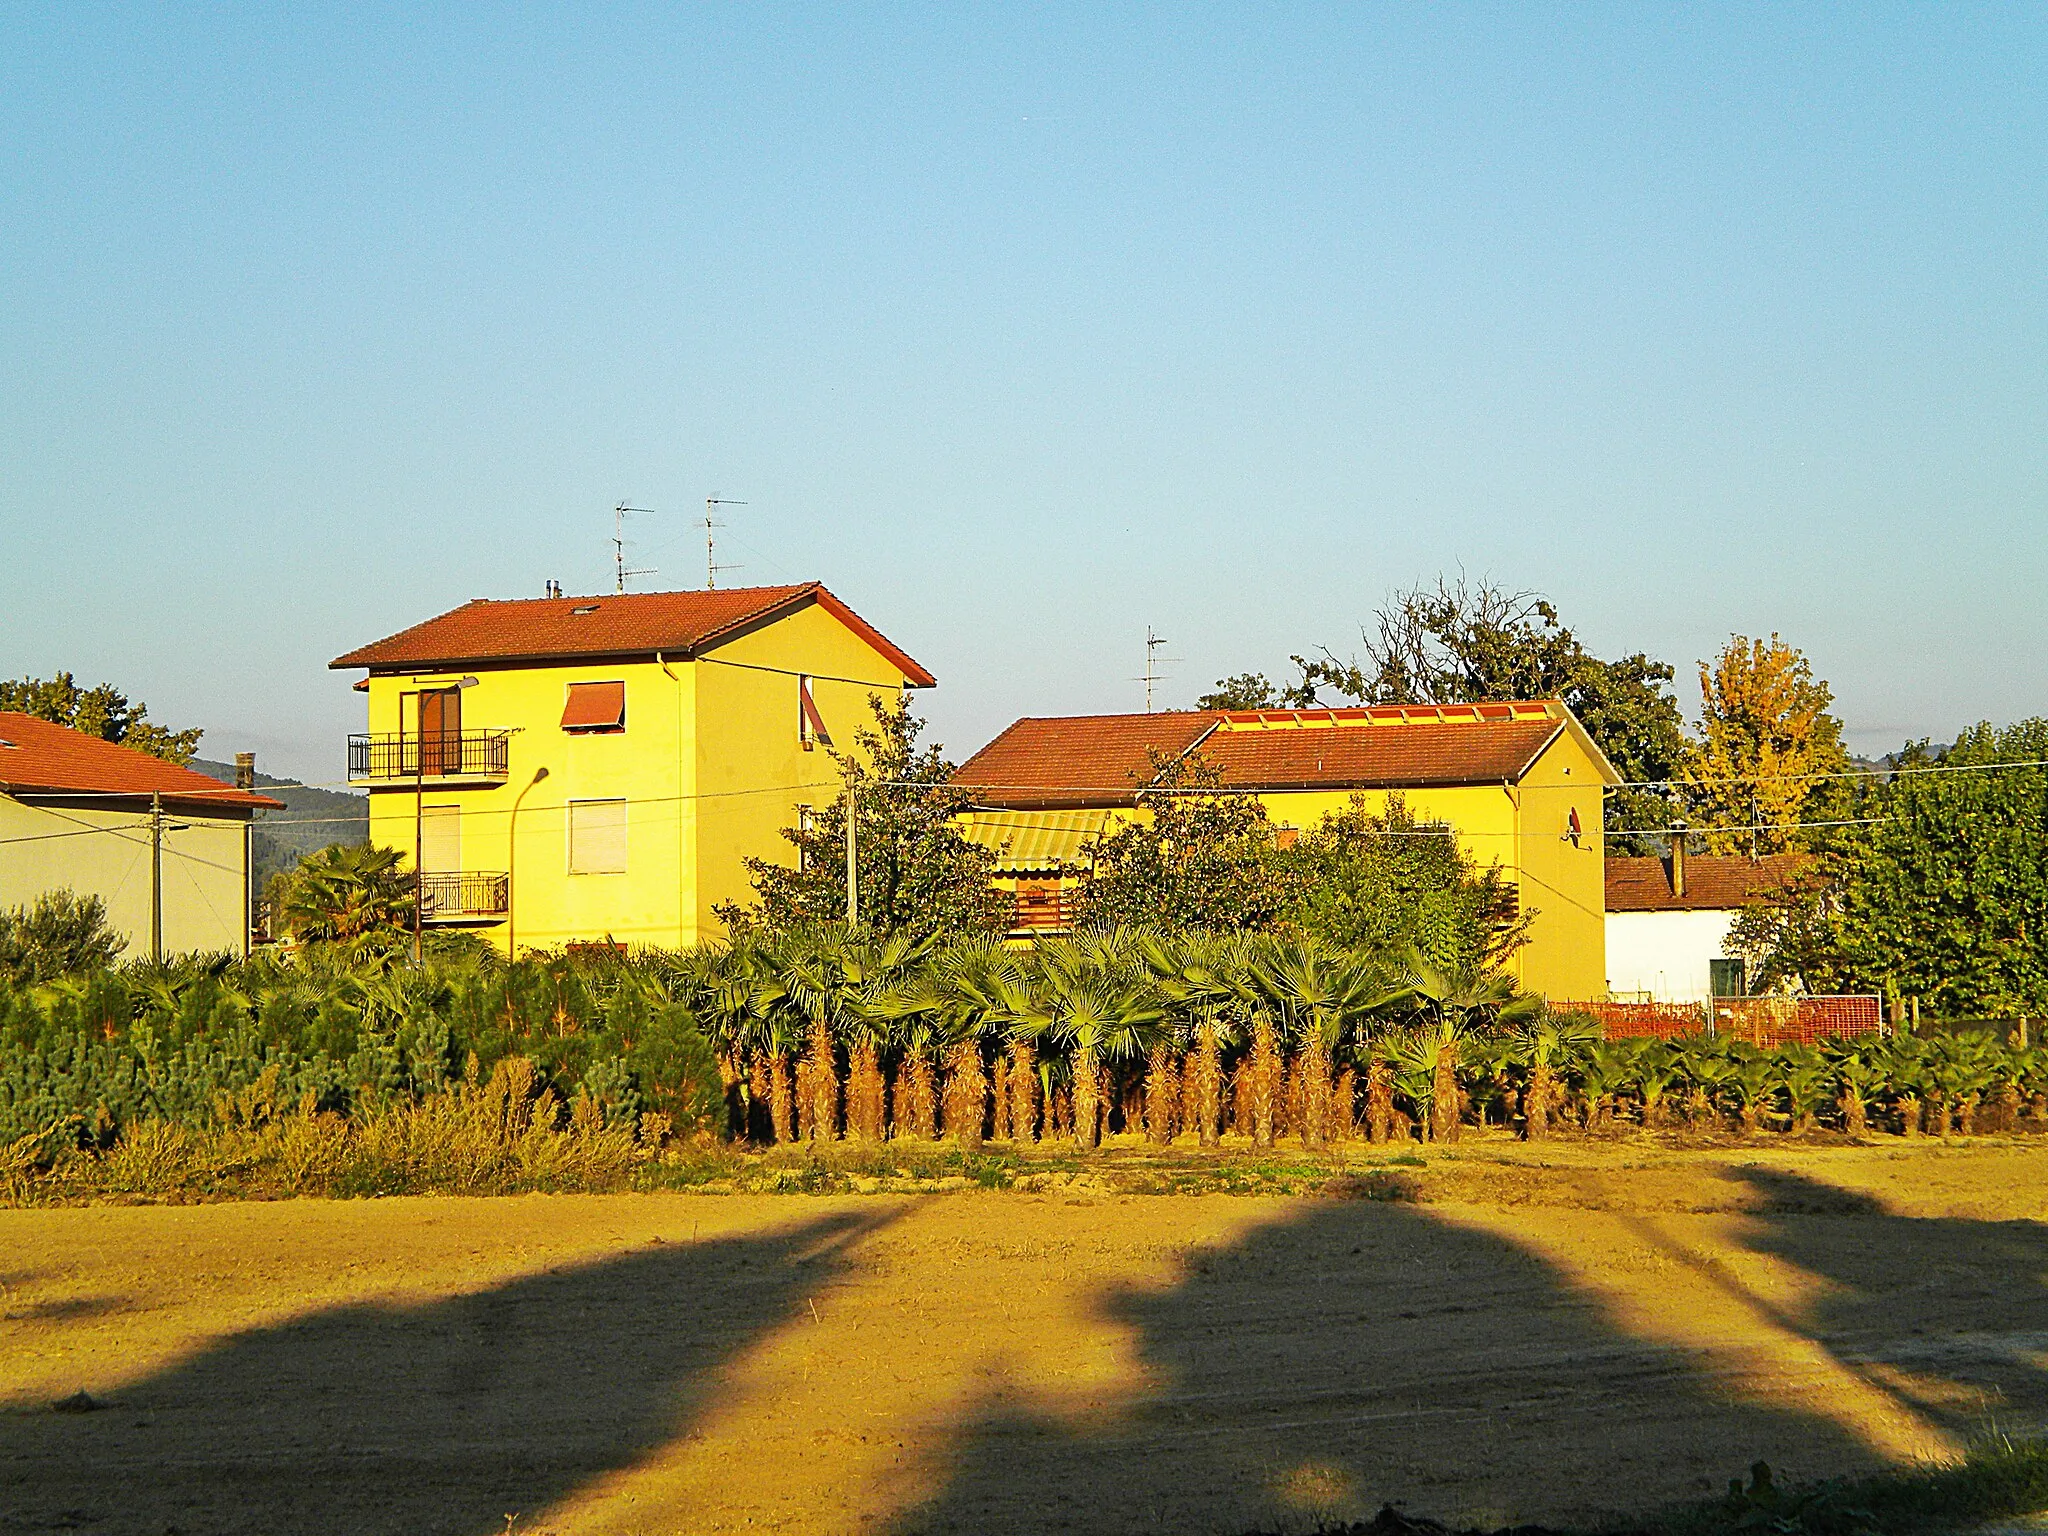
(619, 566)
(711, 565)
(1153, 659)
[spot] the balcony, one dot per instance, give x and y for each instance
(441, 759)
(470, 896)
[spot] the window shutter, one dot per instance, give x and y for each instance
(597, 837)
(810, 725)
(595, 707)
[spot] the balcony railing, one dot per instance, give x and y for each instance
(408, 759)
(470, 896)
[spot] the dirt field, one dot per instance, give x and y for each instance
(1546, 1335)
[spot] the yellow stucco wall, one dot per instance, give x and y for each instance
(105, 853)
(1520, 827)
(711, 767)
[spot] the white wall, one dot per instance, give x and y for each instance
(1665, 953)
(106, 853)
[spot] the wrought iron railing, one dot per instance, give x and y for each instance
(436, 755)
(459, 897)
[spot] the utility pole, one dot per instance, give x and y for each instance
(619, 566)
(1152, 659)
(852, 853)
(156, 877)
(711, 565)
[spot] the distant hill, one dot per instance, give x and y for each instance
(311, 820)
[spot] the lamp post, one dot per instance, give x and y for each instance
(511, 861)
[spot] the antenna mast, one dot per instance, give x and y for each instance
(1152, 659)
(711, 565)
(619, 566)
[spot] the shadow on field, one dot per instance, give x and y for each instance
(1949, 1315)
(444, 1418)
(1354, 1353)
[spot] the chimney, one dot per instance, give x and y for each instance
(245, 770)
(1678, 862)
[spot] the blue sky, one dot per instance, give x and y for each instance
(1025, 328)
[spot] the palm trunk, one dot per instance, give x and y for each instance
(966, 1094)
(1287, 1095)
(1937, 1113)
(1001, 1096)
(1312, 1066)
(2008, 1110)
(1443, 1108)
(1909, 1115)
(781, 1112)
(1087, 1099)
(732, 1079)
(1162, 1094)
(1208, 1086)
(1023, 1092)
(1379, 1100)
(916, 1099)
(822, 1121)
(1854, 1120)
(1265, 1074)
(1343, 1112)
(865, 1100)
(1536, 1103)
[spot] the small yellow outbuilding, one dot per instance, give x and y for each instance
(1519, 783)
(596, 769)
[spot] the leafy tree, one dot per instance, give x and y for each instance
(63, 934)
(918, 874)
(1248, 690)
(1386, 881)
(1206, 860)
(1464, 642)
(103, 711)
(1768, 740)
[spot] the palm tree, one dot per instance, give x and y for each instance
(1092, 998)
(1321, 995)
(1549, 1045)
(353, 895)
(1205, 983)
(1450, 1000)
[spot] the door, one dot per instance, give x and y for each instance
(440, 732)
(1727, 978)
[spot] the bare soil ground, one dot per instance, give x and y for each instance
(1518, 1334)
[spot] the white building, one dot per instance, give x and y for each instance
(165, 848)
(1668, 922)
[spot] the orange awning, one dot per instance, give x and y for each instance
(595, 707)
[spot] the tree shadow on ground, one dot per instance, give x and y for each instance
(444, 1418)
(1947, 1314)
(1360, 1352)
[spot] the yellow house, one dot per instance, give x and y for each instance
(166, 849)
(1519, 783)
(589, 769)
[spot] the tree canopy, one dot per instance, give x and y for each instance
(103, 711)
(918, 873)
(1767, 748)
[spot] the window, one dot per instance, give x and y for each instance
(440, 839)
(597, 837)
(594, 708)
(810, 725)
(1727, 978)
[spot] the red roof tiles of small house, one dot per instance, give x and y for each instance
(39, 757)
(679, 624)
(1713, 882)
(1098, 759)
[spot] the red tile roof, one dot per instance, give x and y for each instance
(682, 624)
(1713, 882)
(1102, 759)
(1078, 759)
(38, 757)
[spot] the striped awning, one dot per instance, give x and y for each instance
(1028, 843)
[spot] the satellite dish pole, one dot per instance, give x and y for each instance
(711, 565)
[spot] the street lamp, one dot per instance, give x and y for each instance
(511, 861)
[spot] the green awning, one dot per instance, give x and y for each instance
(1029, 842)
